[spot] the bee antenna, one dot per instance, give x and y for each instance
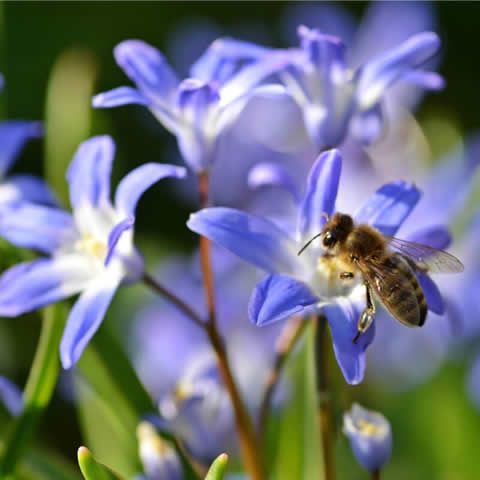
(308, 243)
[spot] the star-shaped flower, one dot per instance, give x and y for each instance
(312, 279)
(90, 252)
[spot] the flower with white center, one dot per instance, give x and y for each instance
(90, 252)
(197, 110)
(370, 437)
(312, 279)
(333, 98)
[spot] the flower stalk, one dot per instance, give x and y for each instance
(289, 337)
(376, 475)
(324, 397)
(245, 429)
(38, 391)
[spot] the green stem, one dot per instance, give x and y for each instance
(289, 337)
(38, 391)
(323, 389)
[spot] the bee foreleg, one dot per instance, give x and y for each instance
(366, 318)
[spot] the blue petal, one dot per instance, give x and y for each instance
(278, 297)
(30, 189)
(89, 172)
(217, 63)
(326, 52)
(432, 294)
(117, 231)
(147, 67)
(273, 175)
(321, 193)
(34, 226)
(377, 75)
(32, 285)
(254, 239)
(13, 135)
(120, 96)
(242, 83)
(389, 206)
(11, 396)
(367, 126)
(385, 25)
(426, 80)
(437, 237)
(331, 18)
(351, 357)
(132, 186)
(84, 319)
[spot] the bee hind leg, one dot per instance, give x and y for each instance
(366, 318)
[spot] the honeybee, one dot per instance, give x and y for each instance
(388, 267)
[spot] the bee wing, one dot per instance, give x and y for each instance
(425, 258)
(392, 283)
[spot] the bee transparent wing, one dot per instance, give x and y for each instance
(425, 258)
(392, 283)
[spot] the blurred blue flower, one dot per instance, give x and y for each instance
(197, 110)
(13, 135)
(297, 282)
(333, 98)
(382, 26)
(159, 459)
(11, 397)
(90, 252)
(370, 437)
(179, 367)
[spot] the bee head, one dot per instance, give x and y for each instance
(336, 230)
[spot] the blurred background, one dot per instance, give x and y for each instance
(56, 55)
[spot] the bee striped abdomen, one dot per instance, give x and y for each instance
(403, 295)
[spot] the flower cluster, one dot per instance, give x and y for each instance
(213, 374)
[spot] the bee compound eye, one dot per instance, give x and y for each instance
(328, 239)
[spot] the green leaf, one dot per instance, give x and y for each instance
(112, 403)
(91, 469)
(217, 469)
(68, 112)
(38, 391)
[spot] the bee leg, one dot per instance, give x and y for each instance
(366, 318)
(346, 275)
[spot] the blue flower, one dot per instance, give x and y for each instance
(159, 459)
(370, 437)
(199, 410)
(90, 252)
(335, 99)
(197, 110)
(311, 280)
(13, 135)
(180, 370)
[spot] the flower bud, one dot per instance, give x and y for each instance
(370, 437)
(159, 459)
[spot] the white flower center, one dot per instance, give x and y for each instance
(93, 247)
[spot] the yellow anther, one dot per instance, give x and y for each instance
(370, 429)
(93, 247)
